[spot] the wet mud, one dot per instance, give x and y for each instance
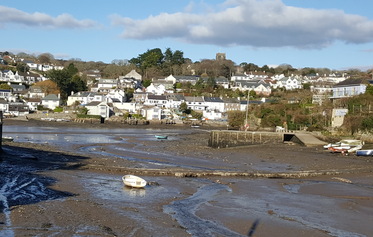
(62, 181)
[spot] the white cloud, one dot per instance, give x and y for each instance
(14, 16)
(258, 23)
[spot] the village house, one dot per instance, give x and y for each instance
(105, 84)
(222, 81)
(159, 89)
(51, 101)
(10, 76)
(84, 97)
(18, 89)
(152, 113)
(214, 103)
(156, 100)
(290, 83)
(321, 93)
(115, 96)
(30, 78)
(187, 79)
(41, 67)
(175, 100)
(259, 86)
(231, 104)
(18, 109)
(240, 77)
(139, 96)
(103, 109)
(196, 103)
(6, 94)
(33, 103)
(125, 82)
(4, 105)
(133, 74)
(349, 88)
(35, 92)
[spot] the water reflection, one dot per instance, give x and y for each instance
(134, 192)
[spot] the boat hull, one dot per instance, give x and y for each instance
(364, 152)
(133, 181)
(161, 137)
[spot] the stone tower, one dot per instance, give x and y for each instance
(220, 56)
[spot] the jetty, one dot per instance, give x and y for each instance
(305, 139)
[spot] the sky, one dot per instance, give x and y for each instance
(334, 34)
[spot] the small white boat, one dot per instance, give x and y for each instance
(345, 143)
(161, 136)
(133, 181)
(7, 139)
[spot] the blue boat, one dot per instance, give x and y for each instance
(364, 152)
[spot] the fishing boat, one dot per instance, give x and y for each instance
(133, 181)
(364, 152)
(161, 136)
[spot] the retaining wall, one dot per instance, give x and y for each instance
(223, 139)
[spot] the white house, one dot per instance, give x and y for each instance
(151, 112)
(349, 88)
(133, 74)
(174, 101)
(290, 83)
(214, 104)
(84, 97)
(5, 94)
(116, 95)
(156, 89)
(4, 105)
(171, 79)
(36, 92)
(240, 77)
(105, 85)
(102, 109)
(222, 81)
(195, 103)
(212, 115)
(156, 100)
(51, 101)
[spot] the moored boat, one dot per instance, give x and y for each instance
(133, 181)
(345, 143)
(161, 136)
(364, 152)
(7, 139)
(344, 149)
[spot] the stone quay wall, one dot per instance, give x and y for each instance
(225, 139)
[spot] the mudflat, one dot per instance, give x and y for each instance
(194, 190)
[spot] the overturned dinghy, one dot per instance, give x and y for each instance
(133, 181)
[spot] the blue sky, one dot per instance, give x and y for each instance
(335, 34)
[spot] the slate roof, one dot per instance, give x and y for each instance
(51, 97)
(213, 99)
(352, 81)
